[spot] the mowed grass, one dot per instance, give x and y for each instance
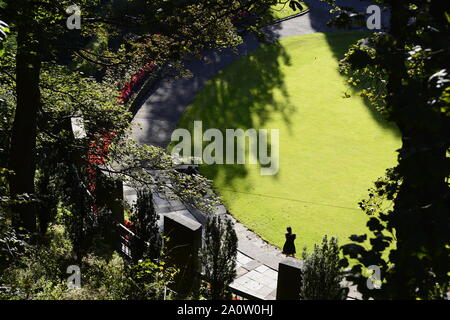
(332, 146)
(281, 11)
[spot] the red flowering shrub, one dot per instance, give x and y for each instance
(129, 225)
(97, 156)
(99, 143)
(135, 81)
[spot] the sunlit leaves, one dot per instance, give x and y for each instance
(403, 73)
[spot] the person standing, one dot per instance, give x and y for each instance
(289, 246)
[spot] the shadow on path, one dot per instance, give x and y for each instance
(165, 105)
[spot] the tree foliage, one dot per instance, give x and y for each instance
(39, 273)
(145, 224)
(322, 273)
(218, 256)
(404, 71)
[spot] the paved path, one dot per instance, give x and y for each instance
(155, 121)
(159, 115)
(157, 118)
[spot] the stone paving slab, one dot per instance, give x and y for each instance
(242, 258)
(252, 245)
(258, 282)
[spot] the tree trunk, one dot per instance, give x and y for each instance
(22, 154)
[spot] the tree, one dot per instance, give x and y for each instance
(140, 31)
(145, 224)
(322, 274)
(405, 72)
(22, 155)
(37, 27)
(218, 256)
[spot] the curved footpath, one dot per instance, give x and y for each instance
(158, 117)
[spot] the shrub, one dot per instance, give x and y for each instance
(27, 274)
(322, 276)
(145, 225)
(152, 279)
(218, 256)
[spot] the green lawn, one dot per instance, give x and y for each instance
(281, 11)
(332, 147)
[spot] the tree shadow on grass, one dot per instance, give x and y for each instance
(244, 94)
(247, 94)
(339, 43)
